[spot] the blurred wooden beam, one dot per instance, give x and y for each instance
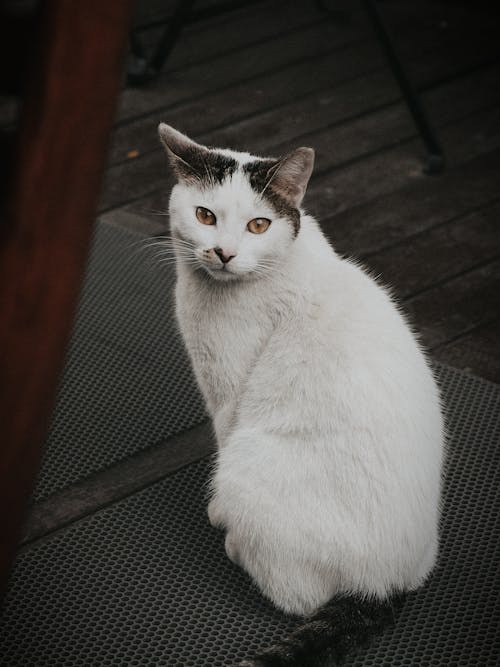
(68, 108)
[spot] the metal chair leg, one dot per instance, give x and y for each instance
(143, 68)
(435, 158)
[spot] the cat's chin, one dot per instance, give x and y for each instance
(225, 275)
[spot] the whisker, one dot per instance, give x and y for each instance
(173, 260)
(166, 243)
(166, 237)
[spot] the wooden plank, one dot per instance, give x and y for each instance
(316, 120)
(439, 253)
(270, 93)
(422, 203)
(426, 51)
(285, 12)
(201, 42)
(474, 352)
(233, 30)
(68, 109)
(194, 81)
(360, 58)
(455, 307)
(388, 171)
(384, 127)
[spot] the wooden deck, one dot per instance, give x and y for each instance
(275, 75)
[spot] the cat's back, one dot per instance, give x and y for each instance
(342, 347)
(335, 304)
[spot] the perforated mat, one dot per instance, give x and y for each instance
(127, 383)
(146, 581)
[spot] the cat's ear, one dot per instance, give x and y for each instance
(186, 157)
(290, 175)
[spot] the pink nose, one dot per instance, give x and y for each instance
(223, 256)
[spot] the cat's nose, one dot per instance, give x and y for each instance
(223, 256)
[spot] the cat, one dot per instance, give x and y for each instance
(325, 410)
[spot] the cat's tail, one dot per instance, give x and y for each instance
(334, 632)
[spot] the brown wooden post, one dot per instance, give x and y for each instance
(64, 128)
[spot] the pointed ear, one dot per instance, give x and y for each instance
(290, 175)
(186, 157)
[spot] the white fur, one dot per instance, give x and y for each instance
(326, 414)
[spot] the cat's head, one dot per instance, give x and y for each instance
(234, 215)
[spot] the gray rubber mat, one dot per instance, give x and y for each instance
(127, 383)
(146, 582)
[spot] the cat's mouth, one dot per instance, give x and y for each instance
(222, 272)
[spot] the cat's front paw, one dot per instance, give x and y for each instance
(232, 550)
(214, 516)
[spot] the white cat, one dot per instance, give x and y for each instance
(327, 416)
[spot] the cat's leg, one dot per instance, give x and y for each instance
(232, 550)
(422, 569)
(214, 515)
(223, 421)
(294, 583)
(261, 542)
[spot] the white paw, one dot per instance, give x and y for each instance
(213, 516)
(232, 550)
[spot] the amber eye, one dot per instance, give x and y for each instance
(258, 225)
(205, 216)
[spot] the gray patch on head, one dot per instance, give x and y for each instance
(206, 167)
(260, 175)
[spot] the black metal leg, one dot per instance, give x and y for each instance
(143, 68)
(435, 157)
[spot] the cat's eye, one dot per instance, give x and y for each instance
(258, 225)
(205, 216)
